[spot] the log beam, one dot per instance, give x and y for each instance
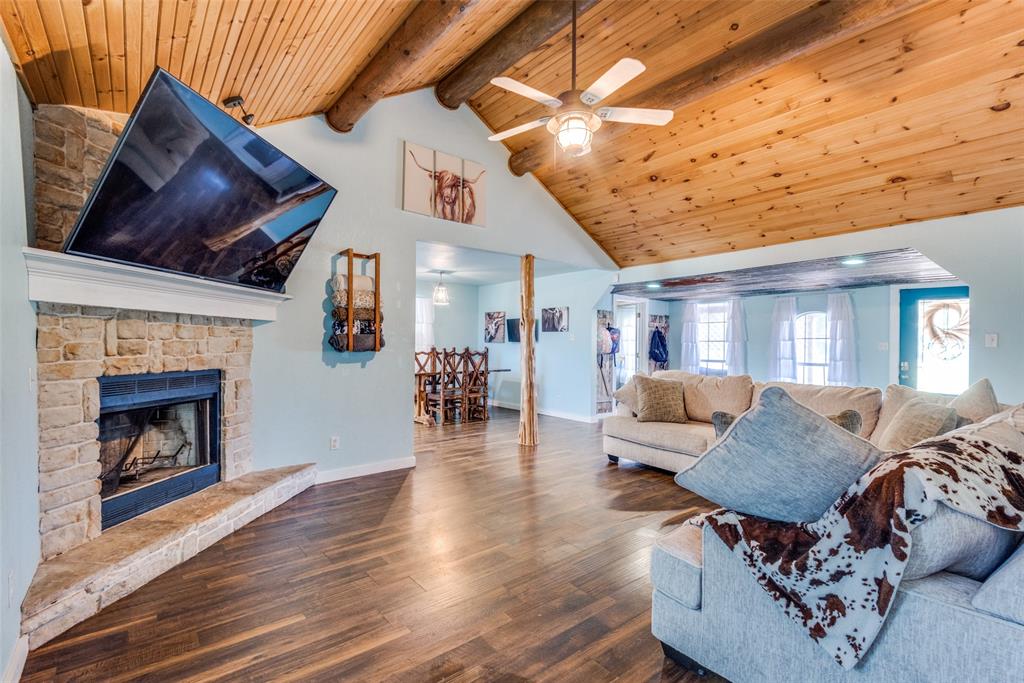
(533, 26)
(427, 24)
(527, 386)
(820, 26)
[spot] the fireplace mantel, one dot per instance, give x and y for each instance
(67, 279)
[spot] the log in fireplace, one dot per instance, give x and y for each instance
(159, 439)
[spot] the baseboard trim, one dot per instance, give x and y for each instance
(16, 662)
(353, 471)
(575, 417)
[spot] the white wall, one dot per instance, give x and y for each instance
(454, 324)
(19, 503)
(985, 250)
(564, 361)
(304, 391)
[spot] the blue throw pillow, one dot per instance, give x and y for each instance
(780, 460)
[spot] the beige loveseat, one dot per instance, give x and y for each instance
(675, 446)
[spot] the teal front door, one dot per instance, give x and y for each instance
(935, 339)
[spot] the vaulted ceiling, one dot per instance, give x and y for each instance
(916, 117)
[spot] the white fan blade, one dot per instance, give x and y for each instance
(625, 70)
(518, 88)
(650, 117)
(519, 129)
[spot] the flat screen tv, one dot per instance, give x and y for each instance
(189, 189)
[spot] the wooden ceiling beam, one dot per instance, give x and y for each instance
(426, 26)
(814, 29)
(535, 25)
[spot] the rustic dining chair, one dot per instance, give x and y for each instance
(474, 385)
(445, 399)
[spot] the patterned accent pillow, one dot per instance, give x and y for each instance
(850, 420)
(659, 400)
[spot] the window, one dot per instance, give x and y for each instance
(811, 348)
(424, 323)
(712, 329)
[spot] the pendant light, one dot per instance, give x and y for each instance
(441, 291)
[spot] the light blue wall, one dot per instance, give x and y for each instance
(455, 324)
(564, 360)
(985, 250)
(304, 392)
(19, 503)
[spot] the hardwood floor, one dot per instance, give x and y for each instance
(486, 562)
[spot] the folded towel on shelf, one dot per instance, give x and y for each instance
(362, 282)
(360, 298)
(340, 313)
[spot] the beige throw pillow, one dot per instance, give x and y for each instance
(917, 420)
(659, 400)
(626, 394)
(706, 394)
(977, 403)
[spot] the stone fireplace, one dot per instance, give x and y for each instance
(81, 350)
(145, 416)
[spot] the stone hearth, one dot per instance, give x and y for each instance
(69, 589)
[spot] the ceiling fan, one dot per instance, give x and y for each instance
(575, 120)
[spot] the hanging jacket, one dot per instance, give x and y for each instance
(658, 349)
(614, 333)
(604, 341)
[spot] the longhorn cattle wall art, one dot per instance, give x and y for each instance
(443, 186)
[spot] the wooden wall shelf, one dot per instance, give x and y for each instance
(351, 255)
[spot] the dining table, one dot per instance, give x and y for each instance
(428, 377)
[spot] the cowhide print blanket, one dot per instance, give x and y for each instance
(837, 576)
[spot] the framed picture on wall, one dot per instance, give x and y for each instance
(494, 327)
(513, 330)
(417, 180)
(555, 319)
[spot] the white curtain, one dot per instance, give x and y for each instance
(735, 340)
(842, 341)
(424, 323)
(783, 343)
(690, 352)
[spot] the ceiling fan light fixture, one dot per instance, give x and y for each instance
(574, 131)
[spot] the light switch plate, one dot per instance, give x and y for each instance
(335, 443)
(883, 346)
(991, 341)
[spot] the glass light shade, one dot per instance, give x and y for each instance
(441, 295)
(574, 135)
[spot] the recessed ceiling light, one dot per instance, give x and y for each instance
(653, 285)
(854, 261)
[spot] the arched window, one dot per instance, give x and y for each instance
(811, 348)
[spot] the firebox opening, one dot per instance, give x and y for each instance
(159, 440)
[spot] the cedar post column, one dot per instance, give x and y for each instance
(528, 388)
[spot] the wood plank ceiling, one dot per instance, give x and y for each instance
(914, 119)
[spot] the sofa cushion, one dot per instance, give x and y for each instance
(849, 420)
(705, 395)
(659, 400)
(690, 438)
(780, 460)
(954, 542)
(676, 565)
(1002, 594)
(647, 455)
(914, 422)
(974, 407)
(833, 400)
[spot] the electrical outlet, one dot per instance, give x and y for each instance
(883, 346)
(991, 341)
(335, 443)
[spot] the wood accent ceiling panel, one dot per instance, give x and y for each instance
(916, 119)
(288, 58)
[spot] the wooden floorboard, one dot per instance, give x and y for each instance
(486, 562)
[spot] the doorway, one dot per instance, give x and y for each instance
(935, 339)
(629, 314)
